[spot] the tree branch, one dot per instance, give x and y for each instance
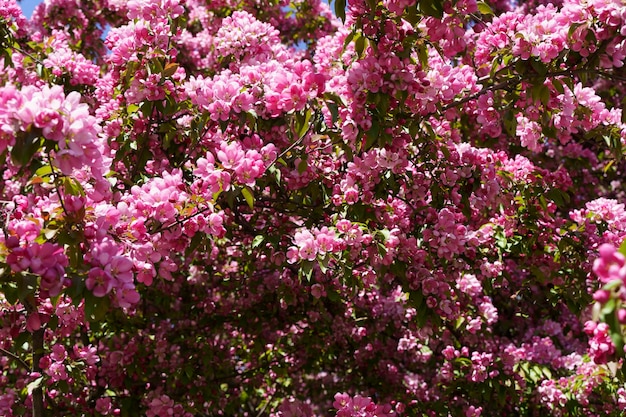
(502, 85)
(518, 79)
(16, 358)
(38, 409)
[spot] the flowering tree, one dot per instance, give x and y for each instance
(271, 209)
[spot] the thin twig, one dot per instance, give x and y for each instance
(58, 192)
(283, 153)
(8, 218)
(518, 79)
(15, 358)
(38, 351)
(485, 90)
(269, 400)
(183, 220)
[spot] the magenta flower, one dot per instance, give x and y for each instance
(99, 282)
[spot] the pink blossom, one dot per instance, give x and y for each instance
(610, 265)
(103, 406)
(99, 282)
(601, 346)
(57, 372)
(230, 155)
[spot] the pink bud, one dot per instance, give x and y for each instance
(602, 296)
(33, 323)
(12, 242)
(317, 290)
(606, 250)
(621, 315)
(590, 327)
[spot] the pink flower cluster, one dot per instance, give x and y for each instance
(449, 235)
(164, 406)
(241, 36)
(292, 407)
(53, 364)
(154, 9)
(552, 395)
(11, 15)
(7, 401)
(222, 95)
(611, 265)
(540, 35)
(308, 245)
(246, 166)
(62, 60)
(47, 260)
(111, 270)
(159, 198)
(443, 263)
(211, 180)
(358, 406)
(60, 118)
(610, 268)
(601, 347)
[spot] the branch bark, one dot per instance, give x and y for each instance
(38, 409)
(15, 358)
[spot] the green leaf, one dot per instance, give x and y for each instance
(302, 123)
(383, 103)
(539, 67)
(170, 69)
(323, 264)
(72, 187)
(195, 243)
(558, 86)
(359, 46)
(96, 307)
(26, 285)
(422, 54)
(340, 9)
(258, 239)
(573, 28)
(146, 108)
(49, 233)
(334, 111)
(622, 248)
(334, 98)
(11, 292)
(616, 283)
(411, 16)
(540, 93)
(615, 330)
(26, 145)
(559, 197)
(372, 135)
(333, 295)
(34, 385)
(247, 194)
(495, 66)
(302, 166)
(484, 8)
(349, 38)
(609, 308)
(306, 270)
(101, 308)
(53, 323)
(44, 171)
(385, 234)
(432, 8)
(75, 291)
